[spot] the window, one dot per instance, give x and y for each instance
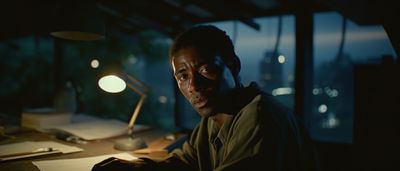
(332, 116)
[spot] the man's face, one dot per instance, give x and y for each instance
(203, 80)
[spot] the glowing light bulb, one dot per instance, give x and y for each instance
(112, 84)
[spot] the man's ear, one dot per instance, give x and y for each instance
(234, 65)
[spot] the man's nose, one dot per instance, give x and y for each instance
(196, 83)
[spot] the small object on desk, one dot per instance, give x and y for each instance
(69, 138)
(36, 148)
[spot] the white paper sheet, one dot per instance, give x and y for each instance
(95, 129)
(78, 164)
(99, 129)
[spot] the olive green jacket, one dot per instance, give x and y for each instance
(263, 135)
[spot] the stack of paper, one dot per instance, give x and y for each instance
(44, 118)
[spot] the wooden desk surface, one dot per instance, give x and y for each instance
(92, 148)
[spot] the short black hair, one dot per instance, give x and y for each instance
(210, 40)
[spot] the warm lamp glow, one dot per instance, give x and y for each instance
(112, 84)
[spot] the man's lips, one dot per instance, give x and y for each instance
(199, 102)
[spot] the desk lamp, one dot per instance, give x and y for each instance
(115, 84)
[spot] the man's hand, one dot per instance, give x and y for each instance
(113, 163)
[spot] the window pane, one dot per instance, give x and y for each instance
(332, 117)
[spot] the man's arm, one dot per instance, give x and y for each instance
(179, 159)
(141, 164)
(174, 161)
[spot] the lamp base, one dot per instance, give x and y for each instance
(128, 144)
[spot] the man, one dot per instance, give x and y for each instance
(241, 127)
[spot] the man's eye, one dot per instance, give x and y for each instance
(204, 70)
(208, 70)
(182, 77)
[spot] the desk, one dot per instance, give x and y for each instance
(92, 148)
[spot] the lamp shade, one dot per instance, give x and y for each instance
(112, 84)
(78, 20)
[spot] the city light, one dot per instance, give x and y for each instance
(94, 63)
(132, 59)
(282, 91)
(331, 122)
(162, 99)
(317, 91)
(331, 92)
(322, 108)
(334, 93)
(281, 59)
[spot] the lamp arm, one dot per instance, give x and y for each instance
(140, 89)
(135, 114)
(136, 81)
(135, 89)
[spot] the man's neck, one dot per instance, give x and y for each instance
(235, 100)
(220, 118)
